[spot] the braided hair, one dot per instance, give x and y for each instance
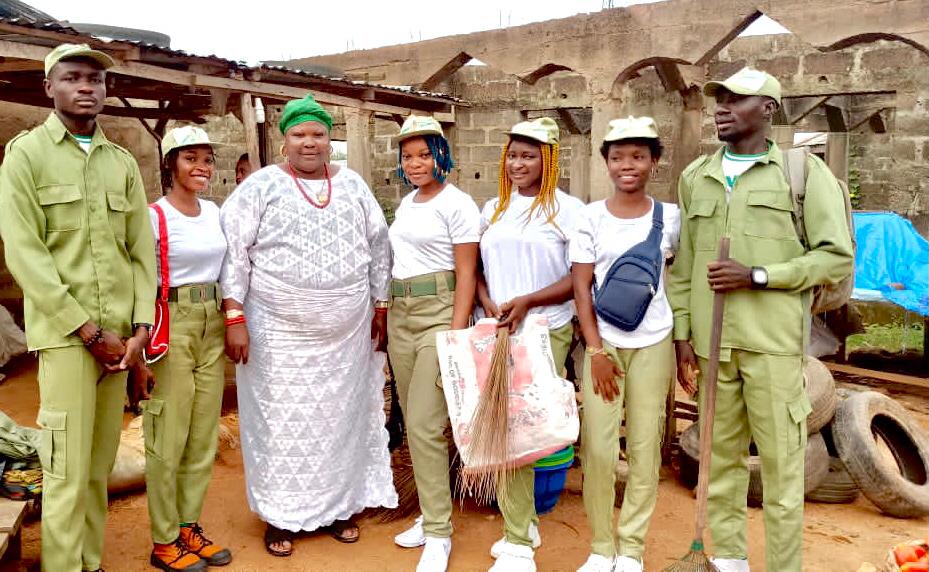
(545, 200)
(441, 156)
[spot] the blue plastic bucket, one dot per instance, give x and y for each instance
(550, 479)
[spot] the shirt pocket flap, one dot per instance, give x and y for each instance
(55, 194)
(702, 207)
(799, 409)
(772, 199)
(53, 420)
(117, 202)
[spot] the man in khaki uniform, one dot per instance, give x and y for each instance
(742, 192)
(78, 240)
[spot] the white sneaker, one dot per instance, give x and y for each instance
(412, 537)
(597, 563)
(730, 564)
(514, 558)
(534, 536)
(435, 555)
(628, 564)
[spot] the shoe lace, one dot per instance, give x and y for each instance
(181, 550)
(197, 536)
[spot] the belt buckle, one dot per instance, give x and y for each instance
(196, 294)
(407, 289)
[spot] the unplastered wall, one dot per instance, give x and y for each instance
(891, 169)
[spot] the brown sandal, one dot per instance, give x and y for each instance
(340, 528)
(274, 535)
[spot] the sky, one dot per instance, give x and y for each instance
(253, 32)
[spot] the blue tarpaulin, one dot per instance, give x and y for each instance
(890, 251)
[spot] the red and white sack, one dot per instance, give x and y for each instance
(543, 412)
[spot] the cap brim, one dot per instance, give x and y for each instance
(533, 138)
(103, 59)
(411, 134)
(100, 57)
(711, 88)
(628, 137)
(211, 144)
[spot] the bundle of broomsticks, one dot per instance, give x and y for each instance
(488, 449)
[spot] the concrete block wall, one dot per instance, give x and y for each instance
(890, 169)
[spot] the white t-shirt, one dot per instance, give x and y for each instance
(423, 235)
(600, 238)
(734, 166)
(196, 244)
(521, 256)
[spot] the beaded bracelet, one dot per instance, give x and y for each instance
(592, 351)
(96, 338)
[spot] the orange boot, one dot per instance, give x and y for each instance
(195, 541)
(176, 556)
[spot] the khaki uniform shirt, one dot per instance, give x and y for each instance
(76, 234)
(758, 218)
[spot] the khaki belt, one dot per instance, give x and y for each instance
(196, 293)
(425, 285)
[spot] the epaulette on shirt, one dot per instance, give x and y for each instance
(123, 149)
(9, 144)
(689, 174)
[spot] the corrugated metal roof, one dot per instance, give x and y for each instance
(63, 28)
(21, 10)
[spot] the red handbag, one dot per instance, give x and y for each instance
(158, 340)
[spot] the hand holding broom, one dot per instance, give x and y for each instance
(696, 560)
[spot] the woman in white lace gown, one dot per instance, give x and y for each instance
(308, 260)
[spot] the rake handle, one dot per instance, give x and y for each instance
(708, 393)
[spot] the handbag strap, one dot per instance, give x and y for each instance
(654, 236)
(163, 251)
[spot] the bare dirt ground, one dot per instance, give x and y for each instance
(836, 537)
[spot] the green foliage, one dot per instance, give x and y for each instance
(388, 206)
(894, 338)
(854, 188)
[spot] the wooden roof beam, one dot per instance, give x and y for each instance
(124, 50)
(39, 100)
(186, 78)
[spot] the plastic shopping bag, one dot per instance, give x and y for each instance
(542, 409)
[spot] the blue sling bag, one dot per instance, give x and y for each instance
(632, 280)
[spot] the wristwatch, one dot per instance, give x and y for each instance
(148, 328)
(759, 277)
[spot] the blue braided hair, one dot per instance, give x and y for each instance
(441, 155)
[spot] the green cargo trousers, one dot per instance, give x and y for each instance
(760, 397)
(644, 393)
(517, 498)
(181, 422)
(420, 307)
(81, 421)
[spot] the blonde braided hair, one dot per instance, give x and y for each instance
(545, 200)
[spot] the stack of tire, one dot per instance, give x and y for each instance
(857, 441)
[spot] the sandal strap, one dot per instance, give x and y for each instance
(273, 535)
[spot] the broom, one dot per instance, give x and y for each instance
(696, 560)
(490, 429)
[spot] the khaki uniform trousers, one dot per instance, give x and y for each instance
(81, 419)
(181, 420)
(412, 323)
(760, 397)
(644, 393)
(517, 498)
